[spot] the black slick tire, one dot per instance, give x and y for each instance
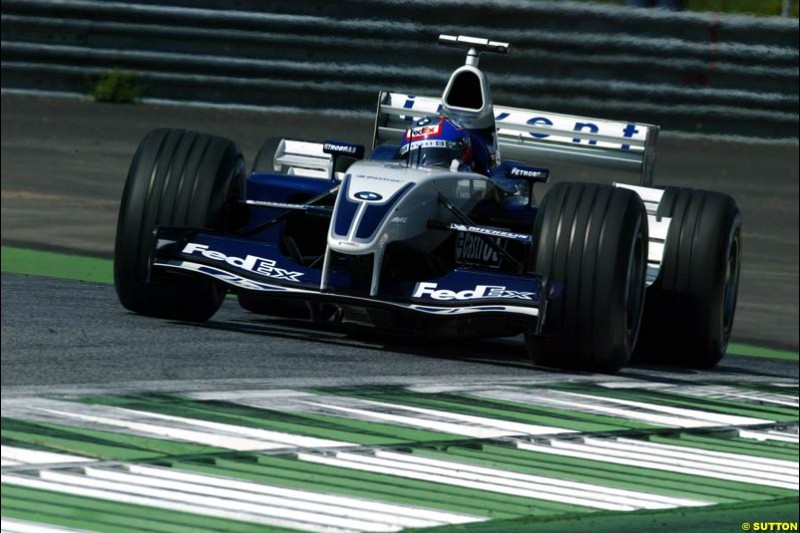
(265, 158)
(176, 178)
(690, 308)
(590, 242)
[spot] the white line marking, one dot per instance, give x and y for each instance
(647, 412)
(605, 447)
(279, 394)
(12, 525)
(191, 429)
(518, 428)
(644, 461)
(274, 502)
(724, 392)
(707, 416)
(448, 422)
(456, 474)
(198, 437)
(27, 456)
(224, 499)
(386, 509)
(286, 439)
(205, 506)
(635, 384)
(327, 513)
(445, 427)
(700, 452)
(769, 435)
(680, 457)
(601, 490)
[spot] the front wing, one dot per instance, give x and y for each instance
(255, 267)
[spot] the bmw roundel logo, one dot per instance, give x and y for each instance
(369, 196)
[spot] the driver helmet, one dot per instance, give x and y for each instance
(436, 142)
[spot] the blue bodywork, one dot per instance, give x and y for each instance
(257, 261)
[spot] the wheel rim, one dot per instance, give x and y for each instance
(634, 292)
(731, 285)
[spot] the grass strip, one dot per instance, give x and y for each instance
(56, 265)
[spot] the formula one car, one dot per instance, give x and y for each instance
(436, 232)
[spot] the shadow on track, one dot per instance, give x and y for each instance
(506, 352)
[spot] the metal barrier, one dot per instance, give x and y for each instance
(686, 71)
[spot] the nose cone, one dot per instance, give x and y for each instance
(369, 193)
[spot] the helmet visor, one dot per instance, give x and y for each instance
(429, 153)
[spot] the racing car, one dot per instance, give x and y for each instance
(440, 230)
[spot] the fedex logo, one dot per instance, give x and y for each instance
(433, 130)
(429, 290)
(253, 263)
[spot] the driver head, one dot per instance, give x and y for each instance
(436, 142)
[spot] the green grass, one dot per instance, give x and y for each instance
(749, 350)
(118, 87)
(56, 265)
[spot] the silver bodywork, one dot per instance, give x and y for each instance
(409, 195)
(408, 216)
(405, 199)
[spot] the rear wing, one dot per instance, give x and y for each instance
(538, 137)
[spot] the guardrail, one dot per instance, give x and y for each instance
(686, 71)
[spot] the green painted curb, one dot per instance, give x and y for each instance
(724, 518)
(595, 472)
(82, 512)
(56, 265)
(96, 443)
(308, 424)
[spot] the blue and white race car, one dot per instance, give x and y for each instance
(440, 230)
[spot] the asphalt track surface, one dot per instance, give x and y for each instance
(57, 332)
(64, 163)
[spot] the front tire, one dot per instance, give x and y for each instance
(176, 178)
(690, 308)
(590, 242)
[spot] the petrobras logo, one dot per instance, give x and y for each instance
(252, 263)
(332, 147)
(528, 172)
(472, 249)
(485, 292)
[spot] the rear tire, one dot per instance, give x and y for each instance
(590, 241)
(690, 308)
(265, 158)
(176, 178)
